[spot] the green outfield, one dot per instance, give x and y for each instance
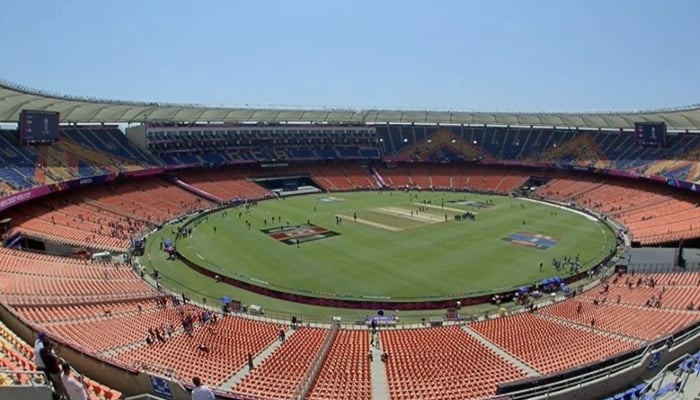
(388, 245)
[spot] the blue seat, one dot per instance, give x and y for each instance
(630, 394)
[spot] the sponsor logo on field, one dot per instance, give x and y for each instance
(299, 233)
(531, 240)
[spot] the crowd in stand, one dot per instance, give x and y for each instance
(188, 320)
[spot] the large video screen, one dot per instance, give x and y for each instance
(38, 126)
(650, 133)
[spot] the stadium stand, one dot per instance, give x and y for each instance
(641, 323)
(235, 144)
(561, 147)
(280, 375)
(229, 341)
(18, 356)
(110, 142)
(526, 336)
(226, 185)
(105, 217)
(653, 213)
(674, 291)
(432, 363)
(106, 309)
(30, 278)
(345, 373)
(89, 151)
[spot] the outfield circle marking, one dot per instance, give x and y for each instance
(357, 300)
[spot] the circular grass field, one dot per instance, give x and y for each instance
(394, 245)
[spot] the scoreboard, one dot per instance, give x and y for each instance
(650, 133)
(38, 126)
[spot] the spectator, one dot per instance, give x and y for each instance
(38, 345)
(53, 368)
(201, 392)
(76, 389)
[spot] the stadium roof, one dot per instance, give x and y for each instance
(14, 98)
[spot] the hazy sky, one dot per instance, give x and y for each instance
(527, 55)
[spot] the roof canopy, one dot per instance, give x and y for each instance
(14, 98)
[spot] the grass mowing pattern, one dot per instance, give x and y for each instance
(422, 256)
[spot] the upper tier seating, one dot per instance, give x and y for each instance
(206, 146)
(554, 146)
(80, 152)
(109, 140)
(226, 185)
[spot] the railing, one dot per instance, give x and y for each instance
(25, 378)
(28, 300)
(580, 380)
(659, 378)
(305, 386)
(650, 268)
(145, 396)
(157, 369)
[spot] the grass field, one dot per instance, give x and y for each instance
(390, 250)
